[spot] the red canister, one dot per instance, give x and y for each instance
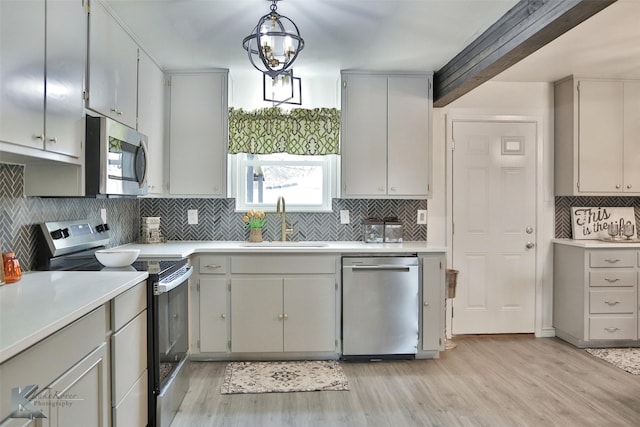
(12, 270)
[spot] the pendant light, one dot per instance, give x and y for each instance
(274, 44)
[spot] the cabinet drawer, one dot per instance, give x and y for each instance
(129, 356)
(614, 258)
(613, 278)
(132, 411)
(127, 305)
(279, 264)
(213, 264)
(612, 328)
(612, 301)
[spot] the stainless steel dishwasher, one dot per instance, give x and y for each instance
(380, 307)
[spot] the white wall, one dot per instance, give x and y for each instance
(504, 98)
(246, 90)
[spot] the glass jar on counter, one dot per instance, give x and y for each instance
(12, 270)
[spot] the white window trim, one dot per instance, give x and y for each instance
(236, 169)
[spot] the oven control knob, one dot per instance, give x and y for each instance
(56, 234)
(65, 233)
(106, 226)
(99, 228)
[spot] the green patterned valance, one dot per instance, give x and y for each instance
(302, 131)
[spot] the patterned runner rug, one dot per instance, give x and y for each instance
(283, 377)
(623, 358)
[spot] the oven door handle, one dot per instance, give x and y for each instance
(162, 287)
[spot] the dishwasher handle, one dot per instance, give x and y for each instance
(378, 268)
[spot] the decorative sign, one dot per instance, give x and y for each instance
(593, 223)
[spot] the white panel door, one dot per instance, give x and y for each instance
(494, 220)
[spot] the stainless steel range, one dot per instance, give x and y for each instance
(71, 246)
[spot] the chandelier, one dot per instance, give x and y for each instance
(274, 43)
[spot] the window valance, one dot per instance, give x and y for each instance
(271, 130)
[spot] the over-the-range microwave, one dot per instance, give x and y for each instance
(116, 159)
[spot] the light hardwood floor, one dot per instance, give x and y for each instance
(500, 380)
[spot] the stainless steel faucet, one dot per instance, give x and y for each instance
(283, 213)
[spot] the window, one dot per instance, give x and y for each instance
(306, 182)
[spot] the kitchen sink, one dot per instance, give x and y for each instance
(279, 244)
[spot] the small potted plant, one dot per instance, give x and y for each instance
(256, 220)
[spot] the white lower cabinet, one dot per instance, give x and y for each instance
(72, 386)
(283, 314)
(213, 314)
(433, 299)
(129, 386)
(595, 296)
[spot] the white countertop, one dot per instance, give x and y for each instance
(183, 249)
(597, 244)
(42, 303)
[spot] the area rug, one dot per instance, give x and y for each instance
(283, 377)
(623, 358)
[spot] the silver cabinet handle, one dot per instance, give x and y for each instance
(113, 110)
(611, 329)
(380, 188)
(393, 188)
(612, 303)
(612, 280)
(612, 260)
(40, 137)
(530, 245)
(53, 140)
(213, 266)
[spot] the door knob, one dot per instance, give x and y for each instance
(530, 245)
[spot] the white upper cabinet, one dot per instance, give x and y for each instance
(113, 68)
(32, 83)
(198, 136)
(596, 136)
(151, 90)
(386, 135)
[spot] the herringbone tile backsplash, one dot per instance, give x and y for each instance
(20, 216)
(564, 205)
(217, 219)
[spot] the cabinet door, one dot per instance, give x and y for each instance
(66, 64)
(113, 68)
(364, 135)
(22, 26)
(198, 134)
(213, 314)
(256, 315)
(409, 169)
(632, 137)
(151, 119)
(84, 391)
(432, 300)
(601, 137)
(309, 314)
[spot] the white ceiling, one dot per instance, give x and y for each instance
(376, 35)
(606, 45)
(338, 34)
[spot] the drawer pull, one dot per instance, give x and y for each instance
(611, 303)
(612, 260)
(610, 280)
(611, 329)
(213, 266)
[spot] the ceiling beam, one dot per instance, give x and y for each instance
(525, 28)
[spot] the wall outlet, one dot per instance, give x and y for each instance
(344, 216)
(192, 216)
(422, 216)
(103, 215)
